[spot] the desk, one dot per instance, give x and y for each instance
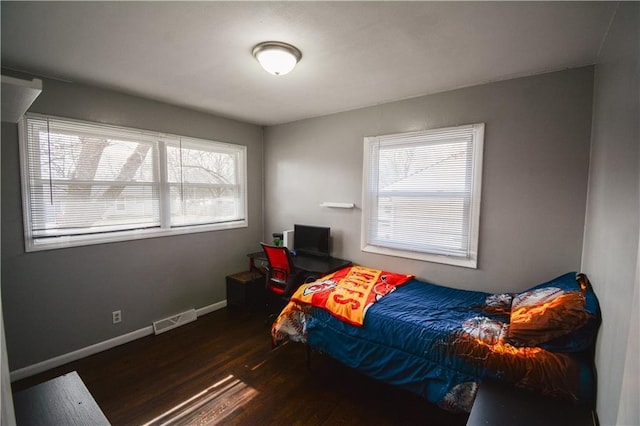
(312, 264)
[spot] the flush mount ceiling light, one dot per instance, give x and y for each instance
(276, 57)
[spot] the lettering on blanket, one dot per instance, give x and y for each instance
(349, 292)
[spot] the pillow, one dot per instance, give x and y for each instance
(583, 337)
(547, 312)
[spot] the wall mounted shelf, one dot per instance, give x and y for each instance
(337, 205)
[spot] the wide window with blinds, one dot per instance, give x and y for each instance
(421, 194)
(87, 183)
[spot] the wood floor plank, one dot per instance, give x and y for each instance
(221, 369)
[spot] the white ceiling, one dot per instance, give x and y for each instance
(355, 54)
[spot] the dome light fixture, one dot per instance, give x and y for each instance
(276, 57)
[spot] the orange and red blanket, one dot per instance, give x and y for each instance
(349, 292)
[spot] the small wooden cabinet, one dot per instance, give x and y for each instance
(245, 290)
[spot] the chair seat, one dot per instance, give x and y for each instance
(276, 289)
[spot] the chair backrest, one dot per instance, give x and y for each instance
(281, 272)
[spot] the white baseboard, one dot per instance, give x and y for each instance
(48, 364)
(210, 308)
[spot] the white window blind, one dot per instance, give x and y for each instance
(204, 182)
(85, 183)
(422, 194)
(85, 179)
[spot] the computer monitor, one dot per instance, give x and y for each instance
(311, 240)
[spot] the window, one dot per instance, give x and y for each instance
(421, 196)
(86, 183)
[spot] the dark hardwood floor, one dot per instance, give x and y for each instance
(221, 369)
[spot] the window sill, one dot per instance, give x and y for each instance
(426, 257)
(32, 245)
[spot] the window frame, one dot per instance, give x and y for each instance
(162, 140)
(370, 193)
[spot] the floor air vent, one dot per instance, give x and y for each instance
(167, 324)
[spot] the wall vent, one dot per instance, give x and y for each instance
(174, 321)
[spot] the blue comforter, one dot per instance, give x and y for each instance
(440, 343)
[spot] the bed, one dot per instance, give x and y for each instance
(441, 342)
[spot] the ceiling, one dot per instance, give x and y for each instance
(355, 54)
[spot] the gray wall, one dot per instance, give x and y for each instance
(7, 414)
(534, 179)
(61, 300)
(610, 255)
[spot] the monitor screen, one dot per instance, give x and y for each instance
(311, 240)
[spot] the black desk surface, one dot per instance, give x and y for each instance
(498, 404)
(314, 264)
(64, 400)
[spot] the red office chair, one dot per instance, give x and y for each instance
(283, 279)
(281, 273)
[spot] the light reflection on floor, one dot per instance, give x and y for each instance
(209, 407)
